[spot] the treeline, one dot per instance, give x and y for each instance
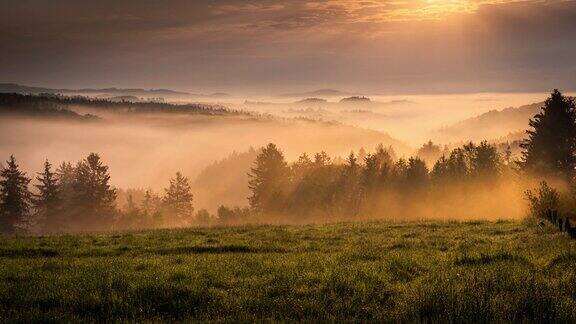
(550, 152)
(474, 180)
(34, 106)
(80, 198)
(37, 103)
(376, 185)
(471, 181)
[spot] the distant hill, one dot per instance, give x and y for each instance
(493, 124)
(312, 101)
(319, 93)
(47, 102)
(355, 99)
(16, 88)
(220, 95)
(225, 182)
(38, 107)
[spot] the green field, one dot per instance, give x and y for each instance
(443, 271)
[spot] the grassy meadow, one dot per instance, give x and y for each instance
(374, 271)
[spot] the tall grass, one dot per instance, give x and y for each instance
(377, 271)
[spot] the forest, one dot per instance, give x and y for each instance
(436, 183)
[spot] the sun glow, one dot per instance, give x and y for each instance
(404, 10)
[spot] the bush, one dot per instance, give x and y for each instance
(547, 198)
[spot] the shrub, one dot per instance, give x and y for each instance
(547, 198)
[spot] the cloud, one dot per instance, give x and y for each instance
(403, 45)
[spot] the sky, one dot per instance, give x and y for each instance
(267, 47)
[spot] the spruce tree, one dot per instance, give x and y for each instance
(93, 198)
(416, 174)
(486, 161)
(268, 180)
(15, 198)
(430, 153)
(550, 149)
(47, 202)
(348, 190)
(178, 200)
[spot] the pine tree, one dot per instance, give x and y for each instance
(178, 200)
(416, 173)
(348, 190)
(47, 202)
(430, 153)
(486, 161)
(550, 149)
(15, 198)
(93, 199)
(268, 180)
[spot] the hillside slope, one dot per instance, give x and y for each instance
(493, 124)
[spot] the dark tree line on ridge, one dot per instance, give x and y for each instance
(80, 197)
(55, 104)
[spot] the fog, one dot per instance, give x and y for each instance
(216, 152)
(413, 119)
(144, 151)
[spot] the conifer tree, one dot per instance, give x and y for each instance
(15, 198)
(93, 198)
(416, 173)
(486, 161)
(550, 149)
(430, 153)
(348, 193)
(47, 202)
(178, 199)
(268, 180)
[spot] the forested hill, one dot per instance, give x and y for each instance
(17, 88)
(50, 104)
(493, 124)
(17, 105)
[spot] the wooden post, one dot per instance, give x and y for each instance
(571, 230)
(567, 225)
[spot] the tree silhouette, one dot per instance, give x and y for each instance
(268, 180)
(485, 161)
(430, 153)
(93, 198)
(416, 173)
(347, 191)
(47, 202)
(550, 149)
(15, 198)
(178, 199)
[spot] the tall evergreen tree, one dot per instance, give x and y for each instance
(151, 202)
(551, 145)
(15, 198)
(430, 153)
(93, 199)
(416, 174)
(47, 202)
(486, 161)
(348, 194)
(268, 181)
(178, 200)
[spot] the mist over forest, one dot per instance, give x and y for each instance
(329, 162)
(288, 161)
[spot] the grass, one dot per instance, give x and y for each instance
(377, 271)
